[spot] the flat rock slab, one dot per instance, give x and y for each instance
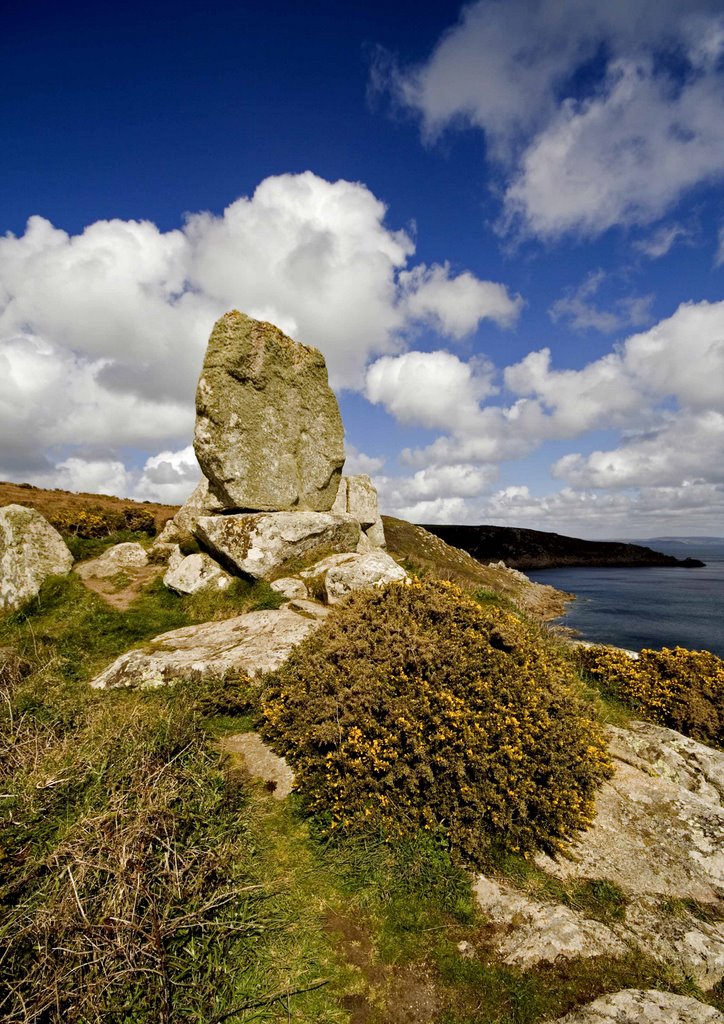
(269, 434)
(261, 762)
(529, 932)
(196, 573)
(636, 1006)
(30, 551)
(659, 826)
(260, 545)
(252, 643)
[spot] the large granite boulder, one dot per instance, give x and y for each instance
(196, 573)
(269, 435)
(30, 551)
(636, 1006)
(263, 545)
(252, 643)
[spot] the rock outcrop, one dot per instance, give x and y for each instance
(660, 820)
(528, 932)
(260, 545)
(252, 643)
(269, 434)
(30, 551)
(636, 1006)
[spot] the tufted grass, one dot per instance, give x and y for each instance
(144, 878)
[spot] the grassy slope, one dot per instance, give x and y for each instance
(53, 501)
(424, 553)
(143, 878)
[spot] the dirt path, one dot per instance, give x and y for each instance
(121, 596)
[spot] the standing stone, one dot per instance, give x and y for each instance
(269, 435)
(30, 551)
(264, 544)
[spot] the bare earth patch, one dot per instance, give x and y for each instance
(121, 595)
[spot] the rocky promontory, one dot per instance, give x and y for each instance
(536, 549)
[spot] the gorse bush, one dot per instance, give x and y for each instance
(100, 522)
(678, 688)
(416, 708)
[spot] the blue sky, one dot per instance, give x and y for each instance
(501, 223)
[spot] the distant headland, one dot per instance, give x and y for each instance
(536, 549)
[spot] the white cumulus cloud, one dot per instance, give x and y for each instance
(595, 114)
(102, 333)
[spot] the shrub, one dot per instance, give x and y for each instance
(678, 688)
(413, 707)
(100, 522)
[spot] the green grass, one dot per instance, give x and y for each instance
(82, 548)
(599, 899)
(144, 878)
(77, 632)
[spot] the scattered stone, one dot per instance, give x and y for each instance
(659, 822)
(119, 558)
(466, 950)
(261, 762)
(261, 544)
(635, 1006)
(312, 609)
(195, 573)
(529, 932)
(252, 643)
(30, 551)
(290, 587)
(268, 435)
(334, 577)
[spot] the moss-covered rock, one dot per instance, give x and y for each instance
(269, 434)
(30, 551)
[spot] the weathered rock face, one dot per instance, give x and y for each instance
(260, 545)
(252, 643)
(195, 573)
(659, 822)
(119, 558)
(357, 496)
(529, 932)
(635, 1006)
(334, 577)
(30, 551)
(269, 435)
(200, 503)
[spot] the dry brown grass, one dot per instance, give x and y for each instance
(53, 504)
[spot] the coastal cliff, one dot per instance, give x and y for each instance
(535, 549)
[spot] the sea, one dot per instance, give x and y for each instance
(649, 607)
